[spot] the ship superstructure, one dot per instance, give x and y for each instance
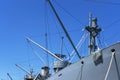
(101, 64)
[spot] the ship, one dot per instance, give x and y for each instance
(101, 64)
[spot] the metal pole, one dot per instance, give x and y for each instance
(64, 28)
(9, 76)
(47, 51)
(23, 69)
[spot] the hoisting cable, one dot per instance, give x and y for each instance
(64, 29)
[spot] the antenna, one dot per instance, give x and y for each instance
(93, 32)
(90, 19)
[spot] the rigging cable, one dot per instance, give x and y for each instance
(60, 33)
(110, 3)
(37, 54)
(57, 33)
(80, 73)
(113, 35)
(110, 26)
(101, 41)
(118, 73)
(114, 22)
(78, 46)
(82, 67)
(110, 64)
(104, 2)
(98, 42)
(64, 29)
(68, 12)
(66, 49)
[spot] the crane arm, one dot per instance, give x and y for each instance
(49, 52)
(9, 76)
(22, 69)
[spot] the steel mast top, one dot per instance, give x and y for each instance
(93, 30)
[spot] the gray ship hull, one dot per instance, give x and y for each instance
(99, 66)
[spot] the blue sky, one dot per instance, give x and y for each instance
(21, 18)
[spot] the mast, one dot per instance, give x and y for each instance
(64, 29)
(93, 32)
(46, 39)
(61, 46)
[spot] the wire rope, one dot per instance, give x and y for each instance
(78, 46)
(66, 11)
(60, 33)
(109, 66)
(104, 2)
(37, 55)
